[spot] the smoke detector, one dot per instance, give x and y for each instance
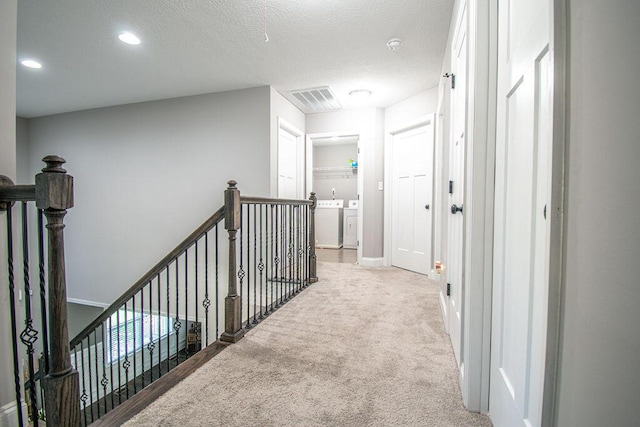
(393, 44)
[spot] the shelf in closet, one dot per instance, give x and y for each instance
(334, 172)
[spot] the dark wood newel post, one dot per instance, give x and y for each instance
(54, 194)
(313, 272)
(232, 318)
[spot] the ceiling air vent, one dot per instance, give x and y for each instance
(316, 99)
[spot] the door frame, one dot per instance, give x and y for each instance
(309, 176)
(388, 180)
(301, 188)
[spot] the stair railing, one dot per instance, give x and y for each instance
(43, 342)
(168, 315)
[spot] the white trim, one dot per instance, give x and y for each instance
(559, 48)
(9, 414)
(388, 185)
(478, 203)
(90, 303)
(300, 166)
(372, 262)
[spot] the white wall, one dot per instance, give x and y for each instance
(369, 124)
(8, 13)
(345, 182)
(148, 174)
(600, 343)
(280, 107)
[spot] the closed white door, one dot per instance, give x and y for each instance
(412, 180)
(456, 187)
(521, 239)
(287, 165)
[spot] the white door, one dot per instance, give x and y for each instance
(521, 239)
(412, 194)
(455, 215)
(287, 165)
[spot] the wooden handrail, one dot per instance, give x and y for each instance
(151, 274)
(267, 201)
(16, 193)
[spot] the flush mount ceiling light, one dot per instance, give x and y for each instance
(31, 63)
(360, 94)
(393, 44)
(129, 38)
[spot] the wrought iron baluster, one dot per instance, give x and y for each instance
(12, 307)
(206, 302)
(271, 270)
(151, 344)
(142, 334)
(186, 301)
(168, 324)
(126, 364)
(195, 298)
(217, 287)
(261, 264)
(95, 360)
(248, 234)
(113, 405)
(176, 324)
(240, 268)
(290, 253)
(43, 294)
(104, 381)
(118, 356)
(255, 266)
(159, 332)
(29, 336)
(134, 344)
(84, 396)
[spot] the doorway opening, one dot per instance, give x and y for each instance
(333, 174)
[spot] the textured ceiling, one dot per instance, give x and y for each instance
(199, 46)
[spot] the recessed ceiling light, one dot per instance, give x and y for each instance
(129, 38)
(360, 94)
(393, 44)
(31, 63)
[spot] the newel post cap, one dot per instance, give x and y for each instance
(54, 188)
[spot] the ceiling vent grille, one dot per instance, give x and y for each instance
(316, 99)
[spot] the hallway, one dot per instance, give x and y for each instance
(363, 346)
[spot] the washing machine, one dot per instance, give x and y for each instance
(329, 218)
(350, 225)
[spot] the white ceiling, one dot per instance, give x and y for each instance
(199, 46)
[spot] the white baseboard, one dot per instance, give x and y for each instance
(9, 415)
(85, 302)
(372, 262)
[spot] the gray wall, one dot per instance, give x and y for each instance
(345, 182)
(369, 124)
(599, 376)
(148, 174)
(8, 13)
(23, 171)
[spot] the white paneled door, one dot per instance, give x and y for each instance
(287, 165)
(456, 187)
(522, 193)
(412, 194)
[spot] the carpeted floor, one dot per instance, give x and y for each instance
(362, 347)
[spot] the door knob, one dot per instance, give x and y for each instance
(426, 207)
(455, 209)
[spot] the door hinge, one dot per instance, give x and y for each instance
(453, 79)
(448, 289)
(450, 187)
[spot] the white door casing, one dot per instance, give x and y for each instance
(522, 208)
(288, 159)
(412, 198)
(456, 188)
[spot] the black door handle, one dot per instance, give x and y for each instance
(455, 209)
(426, 207)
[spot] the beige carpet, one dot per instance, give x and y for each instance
(362, 347)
